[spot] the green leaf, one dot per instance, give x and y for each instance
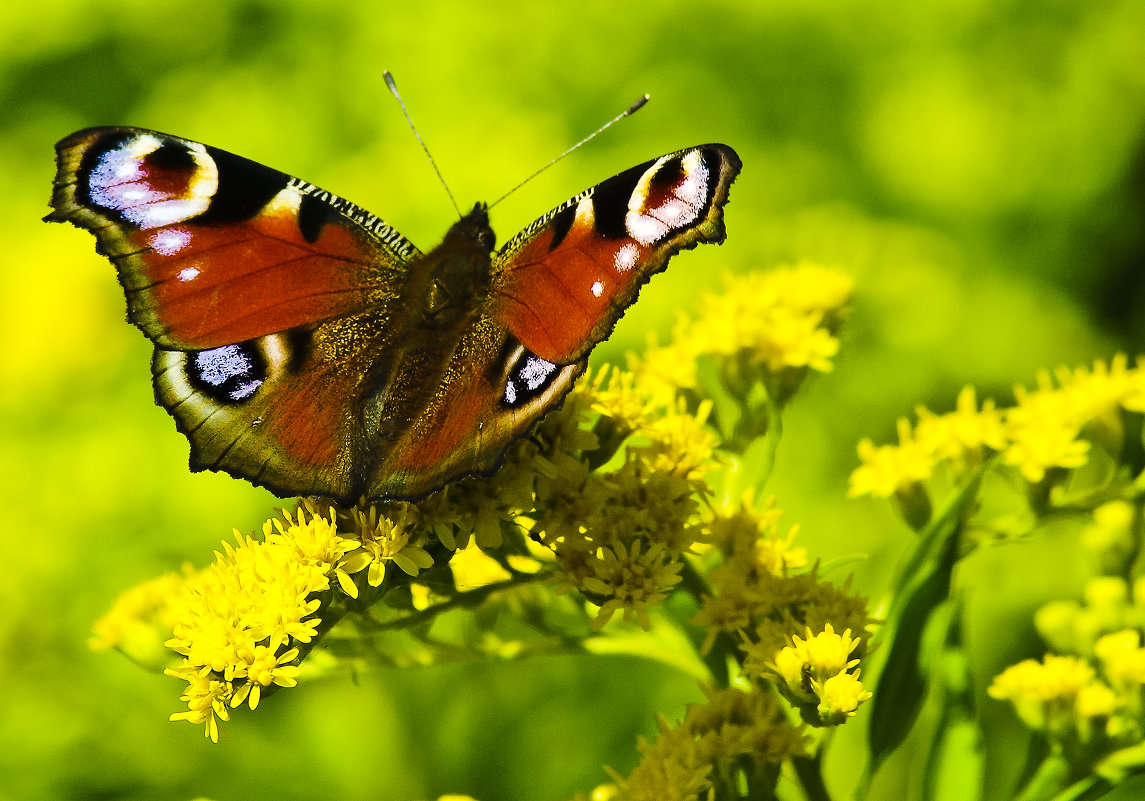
(901, 689)
(1132, 789)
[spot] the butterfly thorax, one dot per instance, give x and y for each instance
(446, 286)
(444, 293)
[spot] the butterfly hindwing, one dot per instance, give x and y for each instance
(562, 283)
(493, 391)
(280, 411)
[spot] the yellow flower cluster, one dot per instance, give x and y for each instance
(766, 607)
(1050, 695)
(693, 759)
(1049, 428)
(238, 625)
(142, 618)
(1093, 690)
(776, 324)
(817, 669)
(241, 619)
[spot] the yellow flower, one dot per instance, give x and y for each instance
(752, 538)
(1045, 693)
(631, 578)
(887, 469)
(795, 672)
(141, 619)
(839, 697)
(1096, 701)
(1122, 659)
(669, 770)
(383, 540)
(962, 434)
(629, 399)
(207, 700)
(733, 730)
(662, 371)
(261, 666)
(807, 663)
(1111, 536)
(681, 445)
(1043, 430)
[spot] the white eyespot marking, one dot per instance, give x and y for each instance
(229, 369)
(644, 228)
(693, 190)
(597, 288)
(188, 274)
(685, 205)
(170, 241)
(528, 378)
(145, 194)
(625, 258)
(536, 371)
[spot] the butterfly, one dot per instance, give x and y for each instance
(303, 344)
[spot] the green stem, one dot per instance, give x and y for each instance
(809, 772)
(467, 599)
(716, 659)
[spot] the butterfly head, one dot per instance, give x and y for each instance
(474, 226)
(448, 284)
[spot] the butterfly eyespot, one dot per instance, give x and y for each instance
(669, 197)
(151, 181)
(232, 373)
(529, 377)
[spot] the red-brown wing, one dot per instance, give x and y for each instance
(493, 391)
(282, 411)
(270, 301)
(213, 249)
(563, 282)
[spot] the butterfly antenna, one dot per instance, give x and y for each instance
(626, 113)
(394, 90)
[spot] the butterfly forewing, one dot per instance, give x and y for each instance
(566, 279)
(214, 249)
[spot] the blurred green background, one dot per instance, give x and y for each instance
(978, 166)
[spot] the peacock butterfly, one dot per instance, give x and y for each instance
(303, 344)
